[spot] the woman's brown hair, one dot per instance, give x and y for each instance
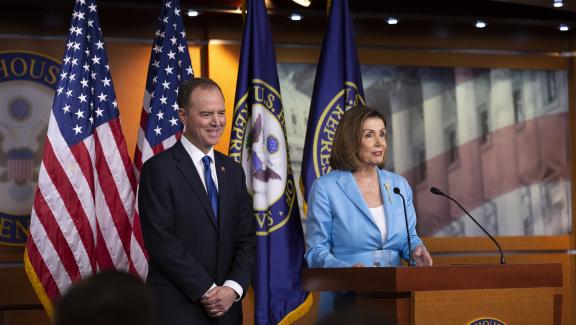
(348, 137)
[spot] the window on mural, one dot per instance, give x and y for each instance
(422, 172)
(519, 114)
(551, 87)
(451, 143)
(483, 119)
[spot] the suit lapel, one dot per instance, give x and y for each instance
(350, 188)
(188, 170)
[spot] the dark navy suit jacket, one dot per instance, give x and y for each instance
(189, 248)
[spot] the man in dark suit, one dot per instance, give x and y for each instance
(197, 219)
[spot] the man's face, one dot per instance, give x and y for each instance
(205, 119)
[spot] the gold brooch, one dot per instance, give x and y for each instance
(387, 186)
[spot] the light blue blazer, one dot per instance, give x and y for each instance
(340, 230)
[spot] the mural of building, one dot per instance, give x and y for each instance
(494, 139)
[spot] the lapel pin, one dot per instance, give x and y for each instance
(387, 186)
(222, 169)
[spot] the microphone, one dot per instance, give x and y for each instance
(410, 262)
(436, 191)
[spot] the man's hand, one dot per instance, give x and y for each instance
(218, 300)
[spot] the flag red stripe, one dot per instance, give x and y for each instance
(112, 197)
(70, 199)
(116, 130)
(104, 259)
(84, 161)
(143, 119)
(42, 271)
(138, 154)
(56, 236)
(117, 133)
(138, 232)
(158, 148)
(138, 159)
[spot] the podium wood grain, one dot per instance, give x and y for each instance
(402, 294)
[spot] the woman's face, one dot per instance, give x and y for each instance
(373, 145)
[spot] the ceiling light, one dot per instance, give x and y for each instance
(392, 21)
(192, 13)
(558, 3)
(305, 3)
(480, 24)
(295, 17)
(563, 28)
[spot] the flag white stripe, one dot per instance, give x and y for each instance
(117, 169)
(109, 231)
(141, 138)
(138, 257)
(48, 253)
(65, 223)
(146, 102)
(120, 177)
(75, 175)
(137, 176)
(137, 251)
(144, 146)
(169, 142)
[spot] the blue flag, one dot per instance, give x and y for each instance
(259, 143)
(337, 87)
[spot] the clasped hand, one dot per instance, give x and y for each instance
(218, 300)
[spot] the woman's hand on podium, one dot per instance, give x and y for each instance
(421, 256)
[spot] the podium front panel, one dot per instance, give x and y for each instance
(526, 306)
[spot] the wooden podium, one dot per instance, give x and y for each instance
(456, 294)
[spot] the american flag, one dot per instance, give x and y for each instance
(82, 218)
(170, 64)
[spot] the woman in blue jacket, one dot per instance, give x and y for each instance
(354, 217)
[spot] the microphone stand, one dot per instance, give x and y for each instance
(410, 261)
(436, 191)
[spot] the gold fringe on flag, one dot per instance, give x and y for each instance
(294, 315)
(37, 286)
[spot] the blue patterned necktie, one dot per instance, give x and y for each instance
(210, 185)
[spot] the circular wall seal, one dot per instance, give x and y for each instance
(27, 88)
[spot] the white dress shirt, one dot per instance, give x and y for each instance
(196, 155)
